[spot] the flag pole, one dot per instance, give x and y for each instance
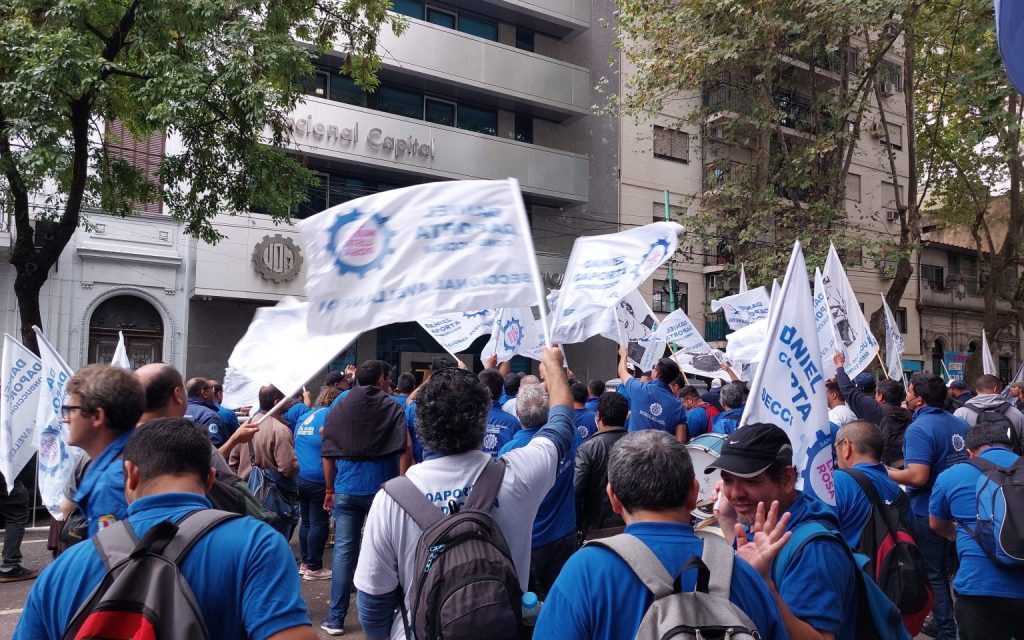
(531, 259)
(882, 362)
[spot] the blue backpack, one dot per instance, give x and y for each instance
(878, 618)
(999, 528)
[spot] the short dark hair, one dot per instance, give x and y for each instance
(441, 362)
(115, 390)
(892, 392)
(595, 388)
(865, 437)
(269, 396)
(160, 387)
(929, 388)
(831, 385)
(613, 408)
(668, 370)
(689, 391)
(512, 381)
(650, 470)
(985, 433)
(493, 381)
(368, 373)
(195, 386)
(679, 382)
(451, 412)
(169, 446)
(406, 382)
(579, 391)
(988, 382)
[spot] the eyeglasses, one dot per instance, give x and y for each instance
(66, 409)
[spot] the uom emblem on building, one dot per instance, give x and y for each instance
(277, 258)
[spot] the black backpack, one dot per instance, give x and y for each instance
(143, 594)
(998, 418)
(466, 586)
(276, 494)
(894, 559)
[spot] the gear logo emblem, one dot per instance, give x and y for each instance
(654, 257)
(366, 248)
(512, 334)
(656, 409)
(958, 442)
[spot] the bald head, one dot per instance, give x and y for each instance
(528, 380)
(165, 391)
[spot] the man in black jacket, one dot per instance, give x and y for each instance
(593, 509)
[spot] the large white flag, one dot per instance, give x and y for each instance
(605, 323)
(515, 332)
(747, 344)
(278, 349)
(421, 251)
(121, 354)
(894, 346)
(852, 329)
(677, 329)
(456, 331)
(826, 330)
(635, 330)
(19, 404)
(240, 390)
(988, 363)
(56, 457)
(743, 309)
(604, 269)
(788, 389)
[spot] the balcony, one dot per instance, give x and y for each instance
(715, 328)
(726, 101)
(560, 17)
(957, 295)
(346, 133)
(724, 174)
(524, 81)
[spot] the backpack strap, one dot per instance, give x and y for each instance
(252, 454)
(802, 534)
(191, 528)
(718, 556)
(486, 487)
(413, 502)
(641, 560)
(981, 464)
(115, 543)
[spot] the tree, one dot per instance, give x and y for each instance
(220, 77)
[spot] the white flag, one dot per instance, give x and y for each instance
(706, 363)
(515, 332)
(852, 329)
(56, 457)
(747, 344)
(677, 329)
(635, 329)
(826, 330)
(789, 388)
(604, 323)
(988, 363)
(421, 251)
(743, 279)
(277, 348)
(121, 354)
(19, 404)
(743, 309)
(603, 269)
(456, 331)
(240, 390)
(894, 346)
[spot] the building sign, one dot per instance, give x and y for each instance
(956, 364)
(377, 140)
(277, 258)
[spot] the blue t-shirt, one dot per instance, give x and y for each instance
(242, 574)
(597, 596)
(228, 421)
(727, 421)
(585, 421)
(591, 404)
(954, 498)
(501, 426)
(307, 445)
(364, 477)
(556, 517)
(402, 399)
(341, 396)
(935, 439)
(101, 493)
(696, 421)
(410, 422)
(294, 415)
(853, 506)
(652, 406)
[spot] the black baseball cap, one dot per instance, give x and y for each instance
(334, 377)
(752, 448)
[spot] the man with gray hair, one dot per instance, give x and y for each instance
(733, 400)
(859, 446)
(651, 483)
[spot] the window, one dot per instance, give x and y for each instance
(889, 200)
(332, 189)
(477, 27)
(895, 135)
(675, 212)
(524, 128)
(670, 144)
(409, 8)
(440, 112)
(400, 102)
(853, 60)
(890, 76)
(900, 316)
(524, 39)
(933, 276)
(852, 257)
(316, 197)
(478, 119)
(145, 155)
(660, 299)
(441, 18)
(344, 89)
(315, 85)
(853, 187)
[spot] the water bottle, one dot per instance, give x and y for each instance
(531, 609)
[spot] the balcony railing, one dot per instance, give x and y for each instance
(5, 223)
(796, 109)
(715, 327)
(722, 173)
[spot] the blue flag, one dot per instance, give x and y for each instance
(1010, 34)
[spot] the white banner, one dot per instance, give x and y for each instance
(240, 390)
(826, 331)
(789, 388)
(456, 331)
(515, 332)
(277, 348)
(705, 363)
(121, 354)
(603, 269)
(605, 323)
(743, 280)
(19, 405)
(636, 326)
(743, 309)
(56, 458)
(894, 346)
(988, 363)
(421, 251)
(852, 329)
(747, 344)
(677, 329)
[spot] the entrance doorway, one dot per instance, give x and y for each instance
(140, 323)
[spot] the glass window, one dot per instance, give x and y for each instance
(478, 119)
(440, 112)
(315, 85)
(524, 128)
(670, 144)
(343, 189)
(400, 102)
(477, 27)
(344, 89)
(441, 18)
(409, 8)
(524, 39)
(316, 198)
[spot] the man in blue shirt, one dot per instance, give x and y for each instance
(406, 383)
(227, 416)
(699, 414)
(584, 419)
(202, 411)
(933, 442)
(103, 406)
(816, 592)
(598, 596)
(733, 400)
(241, 573)
(651, 404)
(859, 446)
(501, 426)
(990, 596)
(554, 529)
(594, 390)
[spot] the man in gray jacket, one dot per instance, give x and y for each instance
(994, 407)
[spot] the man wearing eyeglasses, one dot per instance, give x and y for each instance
(202, 411)
(103, 406)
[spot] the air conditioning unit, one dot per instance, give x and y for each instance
(876, 129)
(889, 89)
(892, 216)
